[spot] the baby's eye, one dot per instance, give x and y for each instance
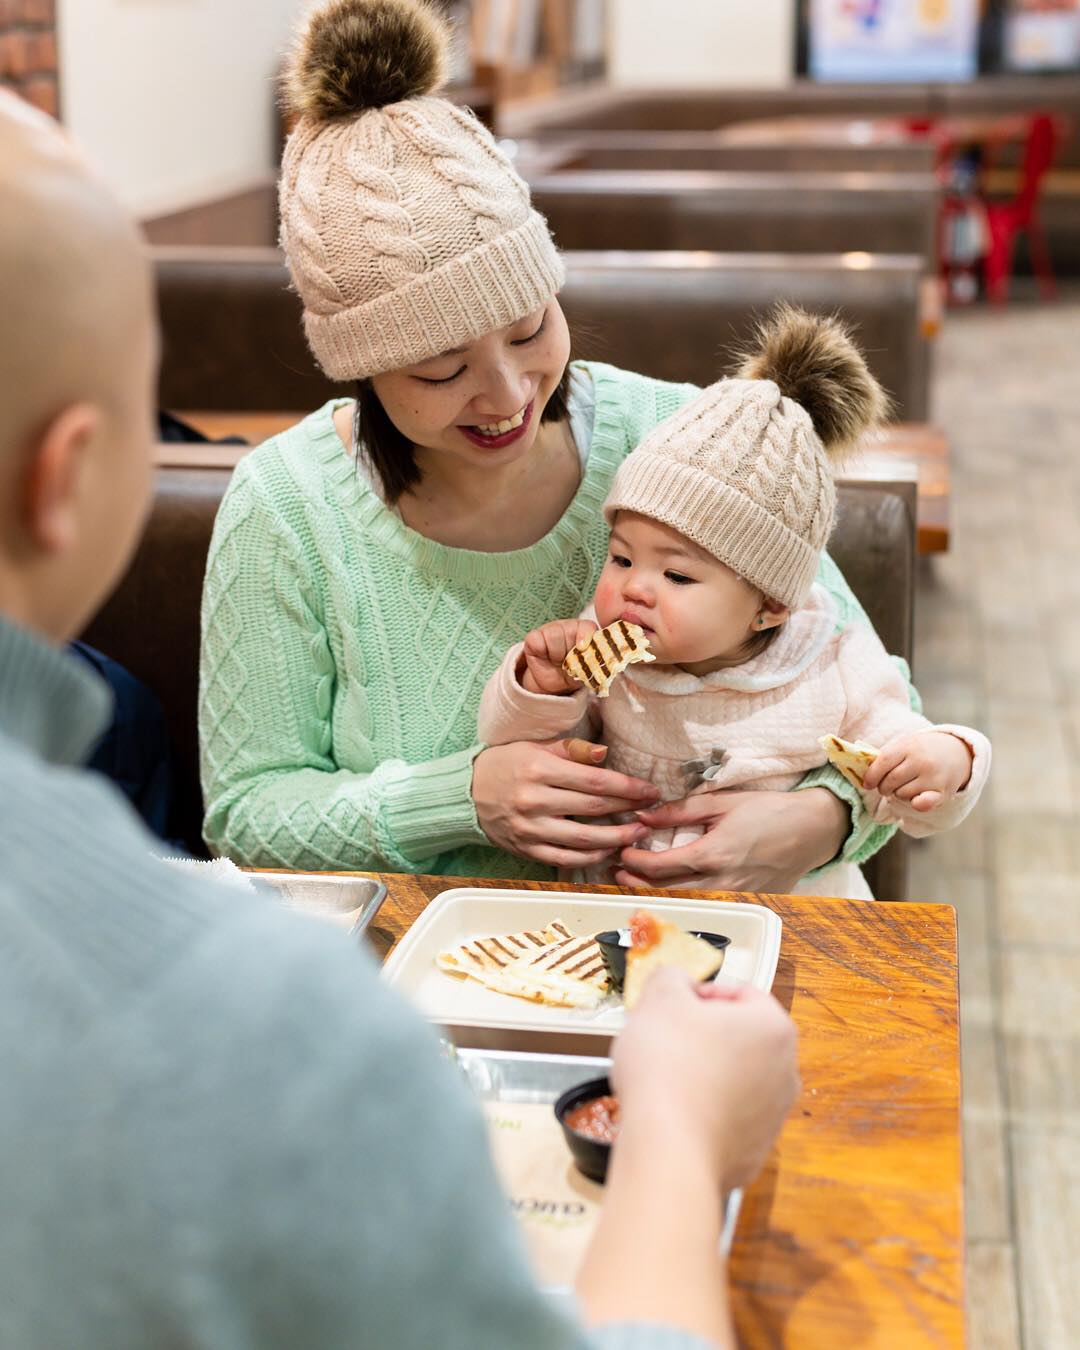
(679, 579)
(619, 560)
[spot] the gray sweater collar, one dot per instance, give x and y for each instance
(49, 701)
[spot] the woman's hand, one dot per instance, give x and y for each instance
(544, 651)
(752, 841)
(524, 793)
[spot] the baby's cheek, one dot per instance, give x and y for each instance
(607, 601)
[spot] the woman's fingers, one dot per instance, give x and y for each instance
(594, 781)
(573, 834)
(549, 801)
(585, 752)
(693, 810)
(631, 881)
(567, 858)
(662, 867)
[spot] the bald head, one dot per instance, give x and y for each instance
(75, 280)
(77, 357)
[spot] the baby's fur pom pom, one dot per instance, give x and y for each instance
(813, 361)
(357, 54)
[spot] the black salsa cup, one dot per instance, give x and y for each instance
(615, 943)
(591, 1155)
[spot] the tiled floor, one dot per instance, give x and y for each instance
(998, 643)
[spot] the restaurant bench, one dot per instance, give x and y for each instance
(751, 212)
(151, 622)
(233, 340)
(602, 108)
(704, 151)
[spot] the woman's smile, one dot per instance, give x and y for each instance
(496, 435)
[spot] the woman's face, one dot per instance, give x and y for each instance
(481, 402)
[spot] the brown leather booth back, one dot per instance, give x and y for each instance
(700, 150)
(731, 212)
(233, 339)
(151, 623)
(682, 110)
(677, 318)
(605, 109)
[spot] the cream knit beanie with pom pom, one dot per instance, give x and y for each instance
(743, 470)
(406, 230)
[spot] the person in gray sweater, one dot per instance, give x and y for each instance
(218, 1127)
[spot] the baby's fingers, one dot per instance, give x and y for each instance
(887, 760)
(564, 636)
(897, 779)
(552, 641)
(927, 801)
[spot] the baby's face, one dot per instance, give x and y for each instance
(696, 612)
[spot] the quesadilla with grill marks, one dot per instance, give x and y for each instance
(596, 661)
(852, 758)
(566, 973)
(496, 953)
(655, 943)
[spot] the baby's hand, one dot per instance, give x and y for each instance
(925, 769)
(546, 649)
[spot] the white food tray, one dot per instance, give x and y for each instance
(478, 1017)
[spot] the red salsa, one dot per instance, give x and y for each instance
(597, 1118)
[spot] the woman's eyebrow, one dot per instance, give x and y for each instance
(452, 351)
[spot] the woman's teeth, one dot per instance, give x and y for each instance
(501, 428)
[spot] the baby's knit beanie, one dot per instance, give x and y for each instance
(743, 470)
(406, 230)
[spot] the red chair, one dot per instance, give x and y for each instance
(1006, 220)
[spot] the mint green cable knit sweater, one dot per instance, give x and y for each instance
(344, 654)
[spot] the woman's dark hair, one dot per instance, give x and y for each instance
(392, 455)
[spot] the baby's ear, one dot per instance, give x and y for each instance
(771, 614)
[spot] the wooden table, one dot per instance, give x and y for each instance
(853, 1235)
(898, 450)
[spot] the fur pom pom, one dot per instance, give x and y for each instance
(357, 54)
(814, 362)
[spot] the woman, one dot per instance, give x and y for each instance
(370, 566)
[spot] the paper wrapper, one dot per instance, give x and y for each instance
(555, 1205)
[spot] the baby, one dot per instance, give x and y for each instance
(718, 522)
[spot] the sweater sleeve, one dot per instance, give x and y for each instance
(274, 794)
(509, 712)
(879, 711)
(365, 1209)
(866, 835)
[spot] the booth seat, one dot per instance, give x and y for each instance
(233, 341)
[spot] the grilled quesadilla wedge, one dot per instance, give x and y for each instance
(852, 758)
(564, 972)
(496, 953)
(655, 943)
(595, 662)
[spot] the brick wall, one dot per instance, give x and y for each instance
(28, 51)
